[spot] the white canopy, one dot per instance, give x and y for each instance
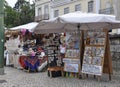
(29, 26)
(71, 22)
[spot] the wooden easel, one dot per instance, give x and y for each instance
(107, 61)
(107, 67)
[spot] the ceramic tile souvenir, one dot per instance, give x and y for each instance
(97, 61)
(87, 59)
(88, 51)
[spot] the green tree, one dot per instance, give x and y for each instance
(10, 16)
(25, 10)
(22, 13)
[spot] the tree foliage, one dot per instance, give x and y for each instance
(22, 13)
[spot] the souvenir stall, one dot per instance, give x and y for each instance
(28, 53)
(79, 21)
(11, 43)
(33, 55)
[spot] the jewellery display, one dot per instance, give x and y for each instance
(53, 52)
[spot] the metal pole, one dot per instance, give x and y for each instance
(1, 37)
(79, 38)
(79, 43)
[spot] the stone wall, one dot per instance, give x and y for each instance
(115, 51)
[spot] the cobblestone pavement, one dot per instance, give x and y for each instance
(19, 78)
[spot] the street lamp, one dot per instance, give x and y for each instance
(1, 37)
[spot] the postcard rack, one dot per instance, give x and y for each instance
(96, 58)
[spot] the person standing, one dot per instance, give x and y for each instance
(6, 59)
(62, 52)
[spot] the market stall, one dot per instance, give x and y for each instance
(82, 21)
(28, 53)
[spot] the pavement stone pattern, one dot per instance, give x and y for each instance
(19, 78)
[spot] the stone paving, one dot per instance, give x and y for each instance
(19, 78)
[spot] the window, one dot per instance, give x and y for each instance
(46, 10)
(66, 10)
(77, 7)
(90, 6)
(56, 13)
(39, 11)
(109, 8)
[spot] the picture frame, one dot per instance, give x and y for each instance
(71, 67)
(97, 61)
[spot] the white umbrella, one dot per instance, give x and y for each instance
(76, 20)
(29, 26)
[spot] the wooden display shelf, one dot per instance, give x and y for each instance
(55, 68)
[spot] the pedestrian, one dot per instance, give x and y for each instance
(6, 59)
(62, 52)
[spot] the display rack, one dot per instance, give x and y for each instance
(96, 58)
(54, 59)
(53, 54)
(72, 58)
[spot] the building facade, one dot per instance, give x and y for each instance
(54, 8)
(45, 9)
(42, 10)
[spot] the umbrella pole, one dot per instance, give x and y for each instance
(79, 40)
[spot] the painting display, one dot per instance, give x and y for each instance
(92, 69)
(94, 38)
(71, 67)
(72, 53)
(71, 60)
(72, 40)
(94, 53)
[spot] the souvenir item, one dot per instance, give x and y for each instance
(71, 67)
(53, 52)
(92, 69)
(95, 38)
